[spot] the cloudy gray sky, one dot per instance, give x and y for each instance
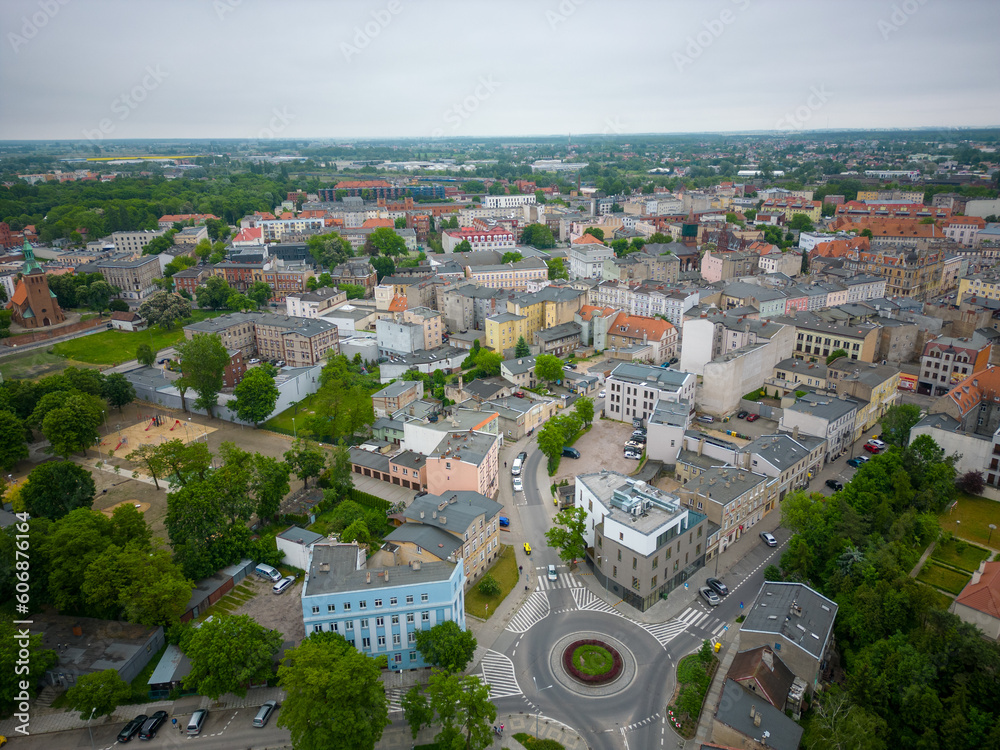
(75, 69)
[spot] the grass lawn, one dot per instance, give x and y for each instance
(36, 363)
(971, 518)
(505, 571)
(283, 422)
(115, 347)
(693, 681)
(943, 578)
(960, 554)
(593, 659)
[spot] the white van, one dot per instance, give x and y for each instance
(267, 572)
(515, 468)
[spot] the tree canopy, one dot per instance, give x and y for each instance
(55, 488)
(228, 654)
(203, 358)
(256, 396)
(447, 646)
(567, 534)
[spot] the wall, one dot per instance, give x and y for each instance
(974, 451)
(696, 345)
(726, 381)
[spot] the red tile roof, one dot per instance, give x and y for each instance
(587, 239)
(984, 595)
(355, 184)
(638, 327)
(376, 223)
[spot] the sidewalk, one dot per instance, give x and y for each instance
(398, 736)
(707, 718)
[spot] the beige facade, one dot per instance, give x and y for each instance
(430, 321)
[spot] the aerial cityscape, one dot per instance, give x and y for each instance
(385, 375)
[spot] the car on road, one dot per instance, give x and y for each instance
(254, 361)
(527, 548)
(835, 484)
(131, 729)
(709, 596)
(518, 486)
(519, 394)
(855, 462)
(633, 454)
(602, 394)
(552, 573)
(877, 443)
(569, 452)
(753, 417)
(196, 722)
(504, 522)
(280, 363)
(523, 455)
(706, 418)
(515, 468)
(260, 720)
(769, 539)
(742, 415)
(674, 360)
(151, 725)
(872, 448)
(718, 586)
(283, 585)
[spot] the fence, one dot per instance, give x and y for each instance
(765, 411)
(369, 501)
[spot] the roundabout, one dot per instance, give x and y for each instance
(621, 666)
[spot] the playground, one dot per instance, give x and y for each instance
(152, 429)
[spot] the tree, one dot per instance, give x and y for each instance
(214, 293)
(385, 241)
(567, 535)
(16, 669)
(228, 654)
(463, 709)
(334, 697)
(354, 291)
(489, 362)
(488, 586)
(584, 408)
(98, 295)
(203, 359)
(658, 238)
(511, 257)
(13, 441)
(71, 544)
(306, 459)
(256, 396)
(416, 710)
(145, 355)
(596, 232)
(240, 303)
(73, 426)
(971, 483)
(897, 423)
(338, 476)
(538, 236)
(260, 293)
(400, 222)
(548, 368)
(182, 462)
(522, 349)
(269, 484)
(117, 390)
(383, 267)
(836, 354)
(55, 488)
(551, 440)
(557, 269)
(145, 585)
(329, 250)
(447, 646)
(116, 305)
(838, 724)
(463, 247)
(801, 222)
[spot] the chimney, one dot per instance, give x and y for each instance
(795, 436)
(368, 577)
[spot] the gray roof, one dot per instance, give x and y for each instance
(723, 485)
(649, 523)
(659, 377)
(318, 296)
(301, 536)
(438, 542)
(485, 389)
(344, 574)
(744, 290)
(810, 322)
(173, 666)
(409, 459)
(774, 730)
(307, 327)
(369, 459)
(561, 331)
(470, 447)
(670, 413)
(782, 450)
(815, 369)
(830, 408)
(426, 356)
(398, 388)
(457, 509)
(939, 421)
(520, 365)
(794, 612)
(505, 317)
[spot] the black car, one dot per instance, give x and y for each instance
(742, 415)
(132, 728)
(523, 456)
(570, 452)
(720, 588)
(151, 724)
(835, 484)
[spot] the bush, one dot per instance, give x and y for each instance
(489, 586)
(971, 483)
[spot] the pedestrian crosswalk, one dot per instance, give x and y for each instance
(585, 599)
(498, 673)
(696, 618)
(664, 632)
(395, 696)
(563, 581)
(535, 608)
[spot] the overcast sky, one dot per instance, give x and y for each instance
(76, 69)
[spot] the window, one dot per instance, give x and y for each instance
(652, 582)
(378, 602)
(315, 610)
(413, 656)
(381, 640)
(347, 606)
(363, 604)
(395, 619)
(364, 622)
(635, 583)
(656, 562)
(411, 637)
(366, 643)
(425, 616)
(379, 622)
(317, 628)
(409, 617)
(409, 598)
(396, 639)
(349, 625)
(424, 597)
(614, 571)
(392, 601)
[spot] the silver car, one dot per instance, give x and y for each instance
(709, 596)
(281, 586)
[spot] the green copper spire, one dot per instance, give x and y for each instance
(30, 264)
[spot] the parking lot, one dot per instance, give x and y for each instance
(600, 448)
(277, 612)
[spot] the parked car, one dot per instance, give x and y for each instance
(635, 444)
(515, 468)
(280, 363)
(709, 596)
(855, 462)
(706, 418)
(877, 443)
(769, 539)
(640, 439)
(504, 522)
(639, 431)
(742, 415)
(835, 484)
(552, 573)
(602, 394)
(519, 394)
(254, 361)
(151, 725)
(718, 586)
(260, 720)
(518, 486)
(633, 454)
(674, 360)
(283, 585)
(569, 452)
(872, 448)
(523, 455)
(527, 548)
(131, 729)
(753, 417)
(196, 722)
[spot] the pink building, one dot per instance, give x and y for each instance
(465, 461)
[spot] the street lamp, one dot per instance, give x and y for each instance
(92, 712)
(537, 690)
(993, 527)
(294, 433)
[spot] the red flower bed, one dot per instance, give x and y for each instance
(593, 679)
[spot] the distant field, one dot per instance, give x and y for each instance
(34, 364)
(115, 347)
(971, 520)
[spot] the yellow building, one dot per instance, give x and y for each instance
(546, 308)
(503, 331)
(793, 206)
(980, 285)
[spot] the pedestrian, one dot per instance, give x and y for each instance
(505, 464)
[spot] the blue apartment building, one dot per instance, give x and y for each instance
(379, 609)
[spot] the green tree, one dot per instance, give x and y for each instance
(383, 266)
(463, 709)
(98, 693)
(214, 293)
(835, 723)
(897, 422)
(551, 440)
(203, 359)
(55, 488)
(416, 710)
(339, 476)
(801, 222)
(334, 698)
(13, 440)
(116, 305)
(447, 646)
(538, 236)
(658, 238)
(548, 368)
(182, 462)
(567, 535)
(73, 426)
(260, 293)
(269, 484)
(385, 241)
(584, 408)
(117, 390)
(463, 247)
(488, 586)
(145, 355)
(400, 222)
(557, 269)
(353, 291)
(99, 294)
(229, 653)
(13, 666)
(329, 250)
(511, 257)
(306, 459)
(240, 303)
(256, 396)
(836, 353)
(489, 362)
(596, 232)
(522, 349)
(70, 546)
(144, 585)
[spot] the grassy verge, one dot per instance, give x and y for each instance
(593, 659)
(36, 363)
(505, 572)
(533, 743)
(959, 554)
(115, 347)
(283, 422)
(693, 680)
(970, 519)
(946, 579)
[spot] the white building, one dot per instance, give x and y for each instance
(314, 304)
(135, 242)
(829, 417)
(508, 201)
(587, 256)
(633, 390)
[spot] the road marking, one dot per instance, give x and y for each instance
(498, 674)
(535, 608)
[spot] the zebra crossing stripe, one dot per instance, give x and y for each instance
(535, 608)
(498, 673)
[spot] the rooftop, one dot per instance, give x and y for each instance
(782, 451)
(653, 508)
(796, 613)
(468, 447)
(983, 595)
(724, 484)
(739, 709)
(453, 511)
(336, 568)
(830, 408)
(659, 377)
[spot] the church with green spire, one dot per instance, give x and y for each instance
(34, 305)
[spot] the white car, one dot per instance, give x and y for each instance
(281, 586)
(515, 468)
(518, 486)
(552, 573)
(877, 443)
(602, 394)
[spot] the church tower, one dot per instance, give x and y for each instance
(33, 304)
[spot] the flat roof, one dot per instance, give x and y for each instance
(344, 575)
(794, 611)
